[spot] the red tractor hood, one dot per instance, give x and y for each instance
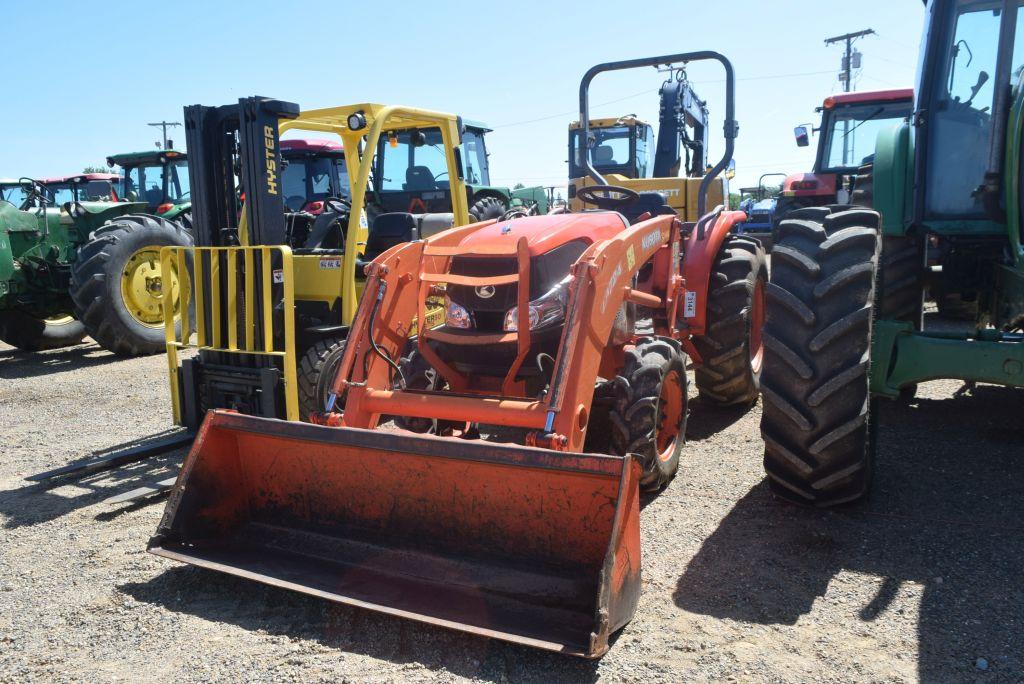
(544, 233)
(809, 185)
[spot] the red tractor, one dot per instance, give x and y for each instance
(849, 125)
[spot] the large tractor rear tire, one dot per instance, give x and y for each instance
(316, 374)
(732, 348)
(487, 208)
(648, 416)
(817, 334)
(117, 286)
(29, 333)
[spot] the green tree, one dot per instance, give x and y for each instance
(518, 186)
(95, 169)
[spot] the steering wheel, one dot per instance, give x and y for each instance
(443, 173)
(607, 196)
(34, 189)
(337, 205)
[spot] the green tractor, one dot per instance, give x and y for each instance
(410, 175)
(845, 318)
(90, 265)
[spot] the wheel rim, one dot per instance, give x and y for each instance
(143, 287)
(670, 415)
(757, 309)
(60, 319)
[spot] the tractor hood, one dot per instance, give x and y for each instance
(809, 185)
(544, 233)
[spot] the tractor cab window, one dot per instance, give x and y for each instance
(144, 184)
(94, 191)
(412, 166)
(61, 193)
(961, 114)
(852, 132)
(177, 182)
(474, 159)
(644, 146)
(306, 179)
(610, 153)
(14, 194)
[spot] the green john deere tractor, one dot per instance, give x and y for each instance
(845, 315)
(91, 267)
(410, 175)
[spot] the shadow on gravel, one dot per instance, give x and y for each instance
(945, 512)
(16, 364)
(36, 503)
(706, 420)
(260, 608)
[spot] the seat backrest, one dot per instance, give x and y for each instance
(419, 178)
(603, 154)
(653, 203)
(389, 230)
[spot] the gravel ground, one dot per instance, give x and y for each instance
(920, 583)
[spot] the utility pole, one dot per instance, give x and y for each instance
(163, 127)
(847, 69)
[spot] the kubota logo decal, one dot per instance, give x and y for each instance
(271, 159)
(611, 286)
(652, 239)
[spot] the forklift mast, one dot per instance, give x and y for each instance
(680, 107)
(234, 153)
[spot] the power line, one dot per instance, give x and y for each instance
(163, 127)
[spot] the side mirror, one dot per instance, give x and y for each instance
(730, 170)
(803, 137)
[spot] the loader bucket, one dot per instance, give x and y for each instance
(528, 545)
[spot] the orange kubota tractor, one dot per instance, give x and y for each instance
(506, 501)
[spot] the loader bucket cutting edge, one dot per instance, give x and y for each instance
(528, 545)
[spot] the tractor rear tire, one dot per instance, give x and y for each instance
(122, 310)
(487, 208)
(648, 417)
(316, 375)
(731, 348)
(815, 423)
(29, 333)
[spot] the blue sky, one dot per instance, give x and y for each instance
(83, 79)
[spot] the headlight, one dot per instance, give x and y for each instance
(545, 312)
(456, 315)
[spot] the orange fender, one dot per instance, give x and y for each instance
(698, 259)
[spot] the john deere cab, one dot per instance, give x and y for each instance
(624, 151)
(273, 290)
(410, 174)
(845, 320)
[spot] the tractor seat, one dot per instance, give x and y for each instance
(387, 231)
(603, 154)
(653, 203)
(419, 178)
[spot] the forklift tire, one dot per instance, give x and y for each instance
(114, 283)
(487, 208)
(316, 375)
(29, 333)
(648, 417)
(816, 421)
(732, 347)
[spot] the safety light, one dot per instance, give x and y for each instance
(392, 140)
(164, 208)
(356, 121)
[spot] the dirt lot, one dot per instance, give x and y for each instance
(921, 583)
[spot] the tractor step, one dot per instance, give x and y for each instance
(118, 458)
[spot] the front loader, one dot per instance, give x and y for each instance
(505, 501)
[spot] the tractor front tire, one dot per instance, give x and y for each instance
(732, 348)
(29, 333)
(117, 287)
(316, 375)
(817, 335)
(648, 416)
(487, 208)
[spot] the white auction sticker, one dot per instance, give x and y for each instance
(330, 262)
(278, 275)
(690, 305)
